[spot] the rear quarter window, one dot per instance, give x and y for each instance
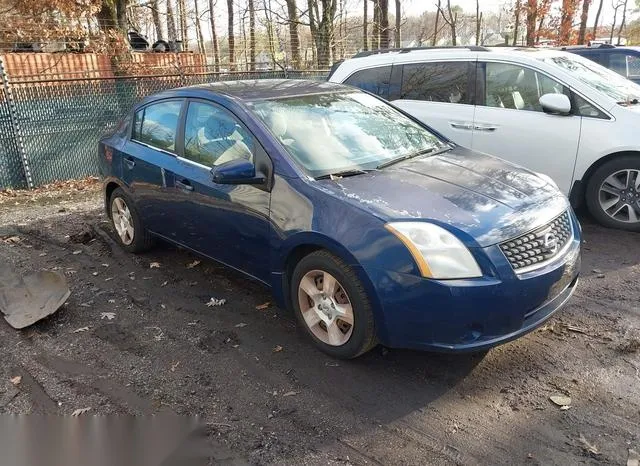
(375, 80)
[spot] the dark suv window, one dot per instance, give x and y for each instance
(436, 82)
(376, 80)
(157, 124)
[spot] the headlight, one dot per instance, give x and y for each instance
(548, 179)
(437, 252)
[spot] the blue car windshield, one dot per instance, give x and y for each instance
(338, 132)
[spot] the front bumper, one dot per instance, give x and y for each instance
(473, 314)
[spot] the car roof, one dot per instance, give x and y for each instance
(264, 89)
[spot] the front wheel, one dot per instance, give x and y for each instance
(613, 193)
(331, 306)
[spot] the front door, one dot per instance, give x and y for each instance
(510, 123)
(229, 223)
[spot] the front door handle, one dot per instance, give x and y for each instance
(488, 128)
(130, 162)
(461, 125)
(184, 185)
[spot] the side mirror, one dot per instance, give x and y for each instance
(558, 104)
(238, 171)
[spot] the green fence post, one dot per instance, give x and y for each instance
(15, 125)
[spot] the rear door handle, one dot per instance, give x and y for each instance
(461, 125)
(489, 128)
(184, 185)
(130, 162)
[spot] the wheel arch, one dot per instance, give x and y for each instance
(110, 185)
(578, 190)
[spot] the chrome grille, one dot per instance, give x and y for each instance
(539, 246)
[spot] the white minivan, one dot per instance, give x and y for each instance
(553, 112)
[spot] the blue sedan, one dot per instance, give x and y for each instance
(366, 223)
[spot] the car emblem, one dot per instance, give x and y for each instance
(550, 243)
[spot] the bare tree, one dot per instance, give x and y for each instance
(184, 29)
(398, 38)
(231, 38)
(478, 22)
(451, 19)
(516, 22)
(325, 30)
(171, 22)
(313, 26)
(532, 15)
(214, 36)
(155, 16)
(624, 21)
(294, 37)
(616, 7)
(199, 35)
(584, 16)
(595, 25)
(375, 27)
(384, 24)
(365, 20)
(252, 36)
(434, 39)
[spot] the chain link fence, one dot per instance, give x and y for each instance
(49, 128)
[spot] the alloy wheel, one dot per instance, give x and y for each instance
(122, 220)
(619, 196)
(326, 308)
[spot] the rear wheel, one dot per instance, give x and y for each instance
(126, 220)
(331, 306)
(613, 193)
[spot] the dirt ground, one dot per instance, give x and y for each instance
(136, 336)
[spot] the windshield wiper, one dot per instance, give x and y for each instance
(431, 150)
(343, 174)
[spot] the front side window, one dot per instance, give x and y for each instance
(334, 132)
(157, 124)
(436, 82)
(212, 136)
(375, 80)
(517, 88)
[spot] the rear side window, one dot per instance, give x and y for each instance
(375, 80)
(157, 124)
(436, 82)
(626, 65)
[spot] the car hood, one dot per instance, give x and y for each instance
(485, 197)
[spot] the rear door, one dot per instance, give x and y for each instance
(440, 94)
(510, 123)
(147, 159)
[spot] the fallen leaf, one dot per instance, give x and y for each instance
(175, 366)
(95, 274)
(589, 446)
(565, 407)
(240, 325)
(112, 301)
(164, 284)
(291, 393)
(154, 265)
(42, 254)
(81, 329)
(634, 458)
(193, 264)
(80, 411)
(571, 328)
(262, 307)
(216, 302)
(16, 380)
(561, 400)
(107, 315)
(108, 279)
(12, 240)
(75, 253)
(277, 349)
(105, 265)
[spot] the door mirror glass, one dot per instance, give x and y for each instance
(556, 104)
(238, 171)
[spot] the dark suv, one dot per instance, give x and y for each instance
(622, 60)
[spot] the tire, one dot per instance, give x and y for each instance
(610, 176)
(357, 333)
(140, 240)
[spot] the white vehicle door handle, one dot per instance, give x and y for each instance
(461, 125)
(485, 128)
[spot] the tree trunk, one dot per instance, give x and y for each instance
(582, 33)
(566, 21)
(325, 33)
(365, 23)
(478, 22)
(398, 25)
(532, 16)
(313, 29)
(214, 37)
(121, 14)
(171, 22)
(375, 29)
(540, 24)
(613, 26)
(384, 24)
(232, 48)
(453, 19)
(294, 37)
(184, 28)
(155, 16)
(252, 35)
(595, 25)
(198, 28)
(624, 20)
(516, 26)
(434, 39)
